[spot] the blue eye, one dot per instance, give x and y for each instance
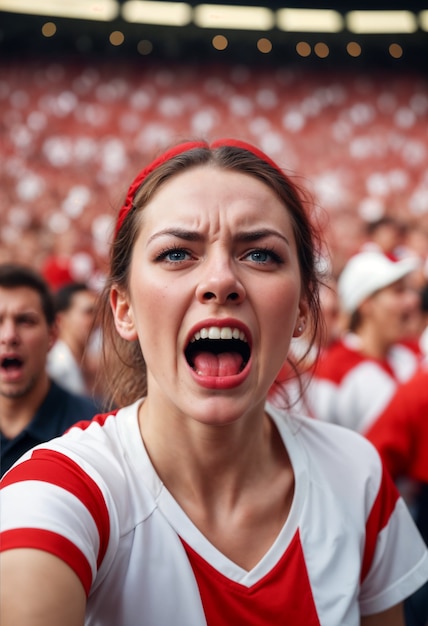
(173, 255)
(176, 255)
(263, 256)
(260, 256)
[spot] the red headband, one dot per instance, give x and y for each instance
(171, 153)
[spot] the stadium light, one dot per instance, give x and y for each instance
(162, 13)
(100, 10)
(309, 20)
(381, 22)
(423, 20)
(232, 16)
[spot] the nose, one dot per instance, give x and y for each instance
(8, 332)
(220, 283)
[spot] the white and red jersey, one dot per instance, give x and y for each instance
(351, 389)
(92, 497)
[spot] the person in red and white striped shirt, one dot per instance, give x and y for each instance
(357, 376)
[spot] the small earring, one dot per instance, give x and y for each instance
(300, 329)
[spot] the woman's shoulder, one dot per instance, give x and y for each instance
(90, 450)
(339, 439)
(329, 447)
(87, 473)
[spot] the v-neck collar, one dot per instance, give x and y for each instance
(183, 525)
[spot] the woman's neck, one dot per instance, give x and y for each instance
(213, 459)
(237, 490)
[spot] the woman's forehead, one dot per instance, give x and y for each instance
(212, 182)
(211, 193)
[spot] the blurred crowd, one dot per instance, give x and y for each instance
(72, 132)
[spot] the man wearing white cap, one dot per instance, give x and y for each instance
(356, 377)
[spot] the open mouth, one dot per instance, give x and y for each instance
(218, 352)
(11, 364)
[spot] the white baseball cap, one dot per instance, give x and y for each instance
(367, 272)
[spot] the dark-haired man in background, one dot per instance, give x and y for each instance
(33, 408)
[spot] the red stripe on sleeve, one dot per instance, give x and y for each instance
(378, 518)
(57, 469)
(100, 419)
(54, 544)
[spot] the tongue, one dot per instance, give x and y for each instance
(223, 364)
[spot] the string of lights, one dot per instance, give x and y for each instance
(177, 29)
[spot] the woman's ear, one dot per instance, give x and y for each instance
(122, 313)
(302, 318)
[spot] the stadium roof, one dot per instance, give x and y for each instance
(24, 34)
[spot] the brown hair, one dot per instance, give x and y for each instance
(124, 361)
(13, 275)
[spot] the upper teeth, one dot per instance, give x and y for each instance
(214, 332)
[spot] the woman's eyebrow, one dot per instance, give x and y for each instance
(256, 235)
(245, 236)
(180, 233)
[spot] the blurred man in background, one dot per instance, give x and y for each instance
(33, 408)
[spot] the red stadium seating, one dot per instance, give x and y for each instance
(73, 135)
